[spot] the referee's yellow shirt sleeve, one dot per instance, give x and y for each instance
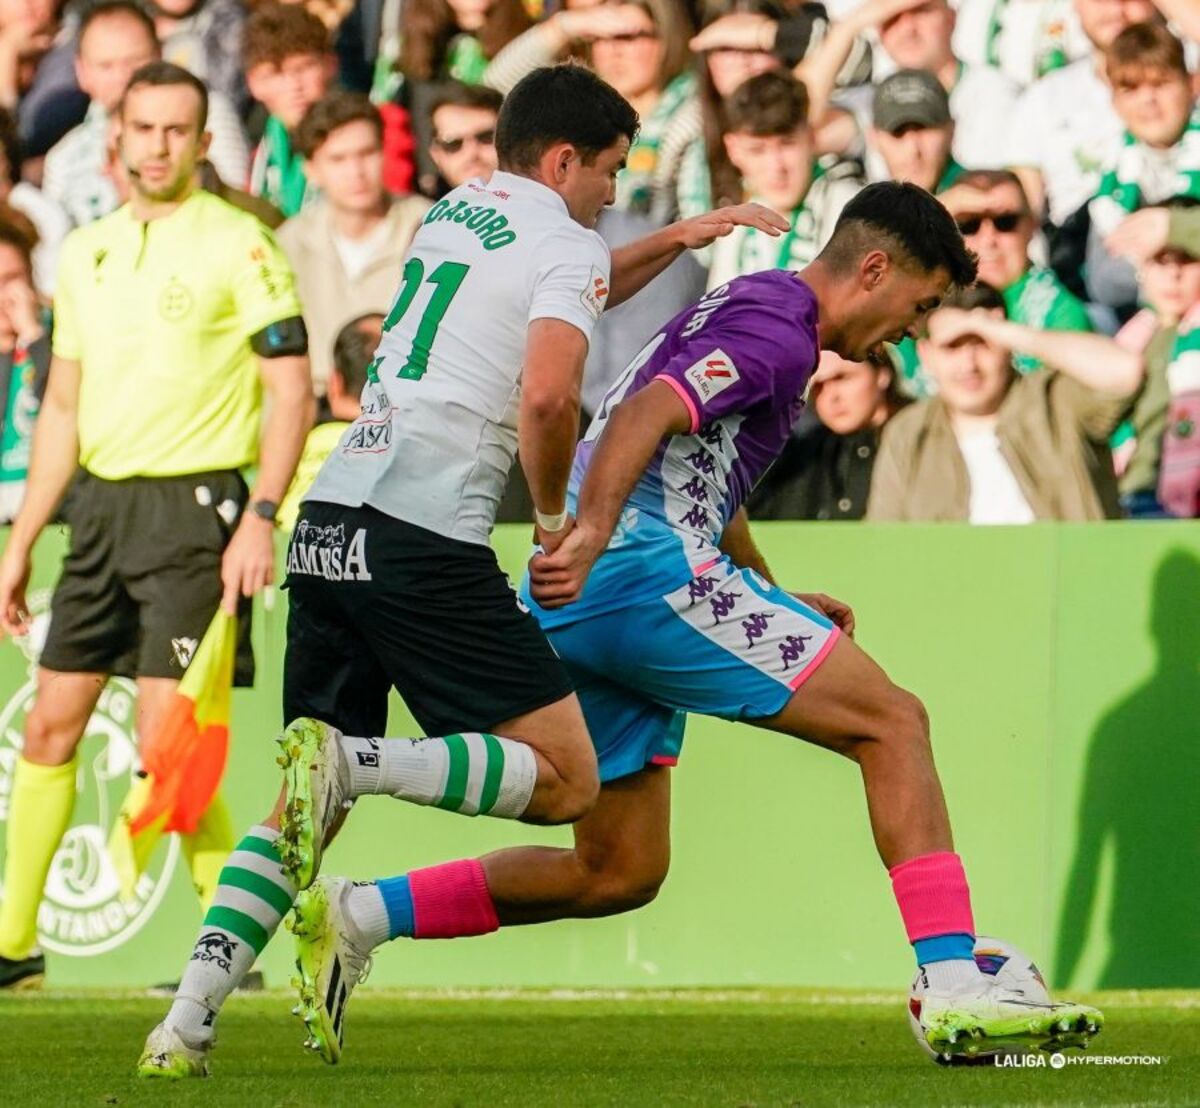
(264, 289)
(65, 338)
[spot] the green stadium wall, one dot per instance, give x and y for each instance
(1061, 668)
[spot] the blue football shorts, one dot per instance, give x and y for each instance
(727, 644)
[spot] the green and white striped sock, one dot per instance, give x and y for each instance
(475, 774)
(252, 898)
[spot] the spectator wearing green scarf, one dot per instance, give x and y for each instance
(1159, 157)
(289, 67)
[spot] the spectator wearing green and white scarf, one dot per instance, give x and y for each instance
(1159, 158)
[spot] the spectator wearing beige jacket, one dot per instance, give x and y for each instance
(348, 246)
(995, 446)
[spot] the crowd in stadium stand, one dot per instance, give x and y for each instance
(1062, 135)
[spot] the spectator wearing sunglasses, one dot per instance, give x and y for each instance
(464, 133)
(993, 215)
(347, 246)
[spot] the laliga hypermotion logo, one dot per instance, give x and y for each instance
(83, 912)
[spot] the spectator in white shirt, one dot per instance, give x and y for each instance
(1024, 39)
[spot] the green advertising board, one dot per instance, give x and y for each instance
(1061, 668)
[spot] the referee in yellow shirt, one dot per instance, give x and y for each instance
(172, 315)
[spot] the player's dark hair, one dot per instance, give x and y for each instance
(561, 103)
(335, 109)
(354, 348)
(907, 222)
(162, 75)
(773, 103)
(458, 94)
(106, 8)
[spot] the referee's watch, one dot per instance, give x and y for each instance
(264, 509)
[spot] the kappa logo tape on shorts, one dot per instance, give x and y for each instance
(739, 614)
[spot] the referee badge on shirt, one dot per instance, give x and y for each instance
(175, 301)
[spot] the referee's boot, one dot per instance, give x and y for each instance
(23, 973)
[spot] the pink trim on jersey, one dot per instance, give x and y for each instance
(697, 570)
(664, 760)
(451, 900)
(815, 660)
(686, 397)
(933, 896)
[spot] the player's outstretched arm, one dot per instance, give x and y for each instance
(623, 452)
(637, 263)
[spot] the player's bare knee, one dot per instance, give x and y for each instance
(616, 889)
(907, 722)
(49, 741)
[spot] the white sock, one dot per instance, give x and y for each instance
(472, 773)
(252, 898)
(368, 914)
(952, 975)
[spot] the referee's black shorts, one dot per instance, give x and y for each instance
(142, 579)
(375, 603)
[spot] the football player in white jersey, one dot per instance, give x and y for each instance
(392, 582)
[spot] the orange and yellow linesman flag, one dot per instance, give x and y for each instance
(184, 760)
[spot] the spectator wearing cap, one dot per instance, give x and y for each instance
(1164, 245)
(996, 446)
(1024, 41)
(464, 133)
(917, 34)
(347, 247)
(825, 469)
(1064, 127)
(115, 38)
(993, 215)
(289, 67)
(49, 221)
(24, 364)
(1159, 159)
(770, 142)
(912, 132)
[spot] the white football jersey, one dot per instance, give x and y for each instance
(438, 430)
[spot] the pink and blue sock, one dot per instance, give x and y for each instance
(935, 904)
(440, 902)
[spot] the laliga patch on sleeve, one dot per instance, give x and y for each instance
(596, 293)
(712, 374)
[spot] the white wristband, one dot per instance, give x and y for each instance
(550, 524)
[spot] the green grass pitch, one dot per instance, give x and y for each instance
(768, 1047)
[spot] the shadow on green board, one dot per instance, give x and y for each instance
(1141, 799)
